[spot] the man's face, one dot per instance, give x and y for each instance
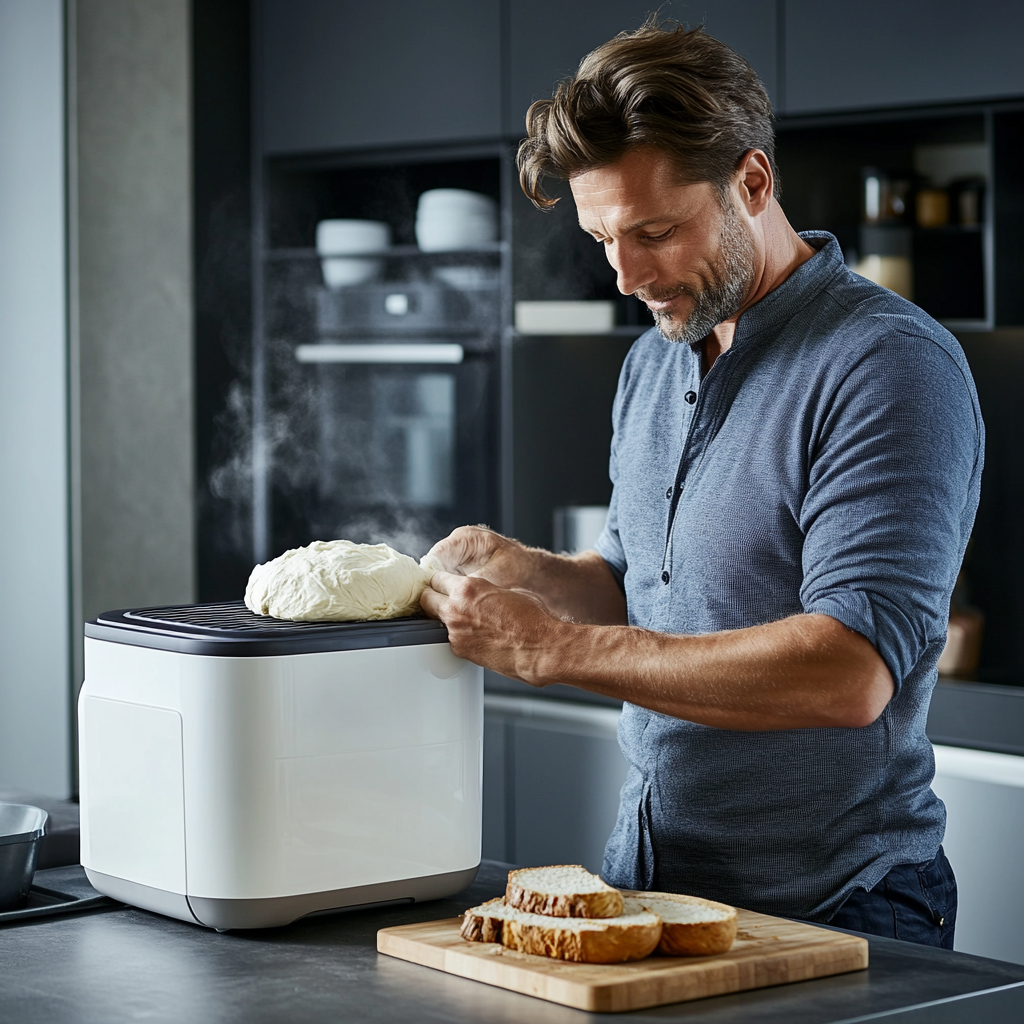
(674, 246)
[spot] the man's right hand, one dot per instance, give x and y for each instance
(479, 551)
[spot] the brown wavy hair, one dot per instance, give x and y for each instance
(676, 89)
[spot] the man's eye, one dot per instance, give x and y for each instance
(659, 238)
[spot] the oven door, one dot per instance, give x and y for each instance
(405, 436)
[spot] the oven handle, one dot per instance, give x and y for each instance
(424, 353)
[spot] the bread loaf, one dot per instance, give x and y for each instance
(564, 890)
(631, 936)
(691, 926)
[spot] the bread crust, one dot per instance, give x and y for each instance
(606, 942)
(478, 926)
(607, 945)
(605, 902)
(698, 938)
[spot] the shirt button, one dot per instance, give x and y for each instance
(668, 493)
(690, 397)
(664, 576)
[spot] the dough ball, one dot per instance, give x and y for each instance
(337, 581)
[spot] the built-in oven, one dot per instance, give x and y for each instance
(382, 422)
(404, 438)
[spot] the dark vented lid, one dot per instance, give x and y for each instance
(229, 629)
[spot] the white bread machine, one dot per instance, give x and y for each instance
(241, 772)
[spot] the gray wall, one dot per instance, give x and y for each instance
(132, 190)
(35, 623)
(96, 411)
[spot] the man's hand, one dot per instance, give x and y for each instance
(578, 587)
(479, 551)
(503, 630)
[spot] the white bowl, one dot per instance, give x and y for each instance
(341, 237)
(341, 271)
(446, 233)
(456, 199)
(448, 219)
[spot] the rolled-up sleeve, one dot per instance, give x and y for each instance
(894, 473)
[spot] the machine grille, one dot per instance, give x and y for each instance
(228, 628)
(225, 616)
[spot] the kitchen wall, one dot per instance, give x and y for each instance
(35, 613)
(131, 189)
(96, 406)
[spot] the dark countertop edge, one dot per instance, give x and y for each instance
(997, 981)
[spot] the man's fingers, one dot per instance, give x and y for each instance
(442, 582)
(432, 602)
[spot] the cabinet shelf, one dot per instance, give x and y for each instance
(394, 252)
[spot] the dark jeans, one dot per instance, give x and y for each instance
(914, 902)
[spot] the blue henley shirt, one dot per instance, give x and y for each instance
(829, 462)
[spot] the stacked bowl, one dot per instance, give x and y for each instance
(453, 219)
(338, 240)
(21, 831)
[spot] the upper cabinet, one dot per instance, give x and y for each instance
(881, 53)
(335, 74)
(547, 40)
(338, 75)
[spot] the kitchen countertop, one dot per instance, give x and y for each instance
(123, 964)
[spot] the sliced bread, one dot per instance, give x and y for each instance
(691, 926)
(631, 936)
(564, 890)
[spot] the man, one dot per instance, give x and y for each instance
(796, 465)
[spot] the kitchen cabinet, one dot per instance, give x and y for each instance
(343, 75)
(984, 796)
(552, 775)
(882, 54)
(546, 41)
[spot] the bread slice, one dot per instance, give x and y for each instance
(564, 890)
(691, 926)
(631, 936)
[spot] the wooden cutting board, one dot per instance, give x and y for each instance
(767, 951)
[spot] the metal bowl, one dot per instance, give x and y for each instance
(21, 829)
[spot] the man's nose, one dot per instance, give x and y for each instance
(633, 266)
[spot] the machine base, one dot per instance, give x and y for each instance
(274, 911)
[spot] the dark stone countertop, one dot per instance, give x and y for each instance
(123, 964)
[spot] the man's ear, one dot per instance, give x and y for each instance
(755, 180)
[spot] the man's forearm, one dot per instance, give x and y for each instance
(808, 671)
(577, 587)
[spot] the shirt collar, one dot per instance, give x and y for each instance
(779, 306)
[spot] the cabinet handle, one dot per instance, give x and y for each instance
(426, 353)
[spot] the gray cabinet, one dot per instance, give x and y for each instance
(546, 40)
(880, 53)
(338, 75)
(552, 775)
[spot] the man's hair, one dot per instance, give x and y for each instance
(678, 90)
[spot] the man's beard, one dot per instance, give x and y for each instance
(729, 279)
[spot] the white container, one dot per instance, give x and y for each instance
(343, 237)
(336, 239)
(577, 527)
(450, 219)
(243, 783)
(565, 317)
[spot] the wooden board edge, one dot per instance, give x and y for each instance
(785, 968)
(392, 942)
(497, 971)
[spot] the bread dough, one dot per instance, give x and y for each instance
(338, 581)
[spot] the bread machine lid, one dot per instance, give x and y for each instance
(228, 629)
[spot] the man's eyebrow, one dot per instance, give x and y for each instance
(632, 227)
